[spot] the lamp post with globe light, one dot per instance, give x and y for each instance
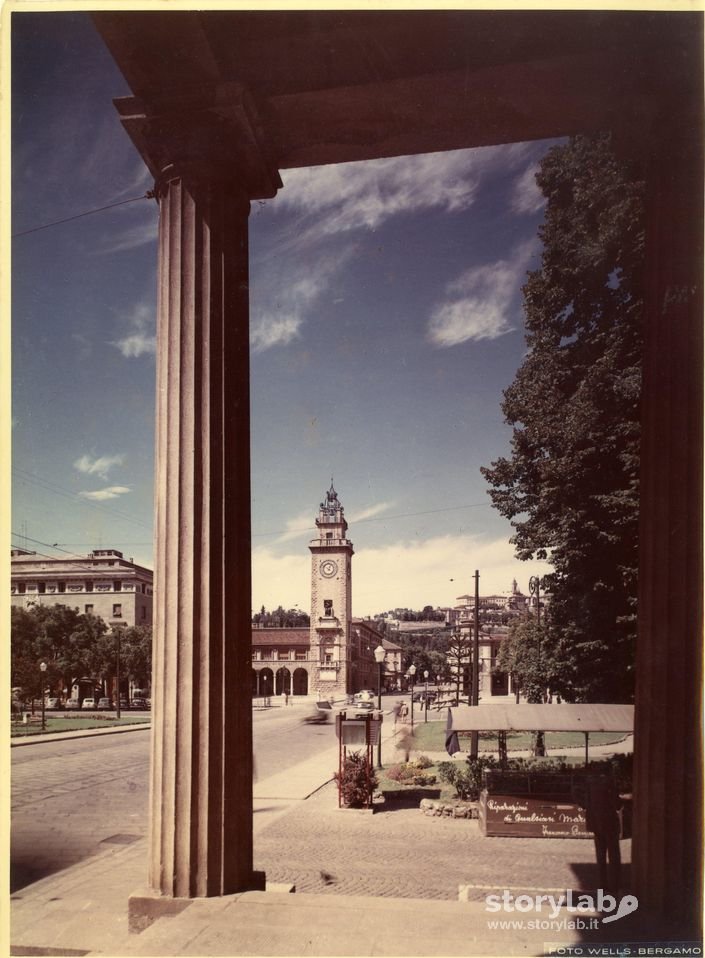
(380, 656)
(425, 702)
(412, 673)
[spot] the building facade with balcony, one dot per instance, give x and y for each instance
(103, 583)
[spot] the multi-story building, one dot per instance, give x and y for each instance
(102, 583)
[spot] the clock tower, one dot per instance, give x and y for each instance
(331, 559)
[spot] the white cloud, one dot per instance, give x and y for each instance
(407, 574)
(110, 492)
(347, 196)
(280, 305)
(478, 302)
(370, 512)
(100, 466)
(526, 195)
(142, 340)
(300, 525)
(270, 331)
(133, 236)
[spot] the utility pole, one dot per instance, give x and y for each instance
(117, 674)
(475, 700)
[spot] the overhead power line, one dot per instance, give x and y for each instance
(100, 209)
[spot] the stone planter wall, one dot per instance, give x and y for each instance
(453, 809)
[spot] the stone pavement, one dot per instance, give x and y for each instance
(366, 884)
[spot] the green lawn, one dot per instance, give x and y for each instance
(430, 737)
(74, 724)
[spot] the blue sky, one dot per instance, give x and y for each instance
(386, 321)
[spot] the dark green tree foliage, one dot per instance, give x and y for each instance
(528, 656)
(570, 486)
(67, 641)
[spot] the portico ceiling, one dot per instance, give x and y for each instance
(320, 87)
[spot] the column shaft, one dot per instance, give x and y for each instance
(668, 761)
(201, 787)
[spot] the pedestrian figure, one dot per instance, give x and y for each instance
(601, 803)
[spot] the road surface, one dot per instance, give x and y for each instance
(71, 799)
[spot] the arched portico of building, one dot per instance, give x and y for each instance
(265, 684)
(300, 685)
(448, 80)
(283, 681)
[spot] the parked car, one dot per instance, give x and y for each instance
(358, 708)
(124, 704)
(53, 703)
(88, 704)
(105, 704)
(140, 704)
(72, 704)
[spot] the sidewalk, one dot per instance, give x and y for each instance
(359, 865)
(75, 733)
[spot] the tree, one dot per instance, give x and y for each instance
(459, 657)
(136, 654)
(570, 486)
(66, 640)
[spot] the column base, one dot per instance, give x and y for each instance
(145, 905)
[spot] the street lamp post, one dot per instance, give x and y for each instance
(117, 673)
(412, 673)
(42, 669)
(380, 656)
(475, 697)
(425, 704)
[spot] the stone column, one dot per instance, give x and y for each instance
(201, 787)
(667, 842)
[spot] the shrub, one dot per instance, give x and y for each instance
(467, 778)
(357, 781)
(400, 773)
(408, 773)
(423, 761)
(424, 778)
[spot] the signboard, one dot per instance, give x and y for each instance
(524, 816)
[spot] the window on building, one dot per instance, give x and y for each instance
(21, 588)
(117, 609)
(329, 535)
(144, 613)
(88, 609)
(117, 585)
(41, 587)
(89, 585)
(300, 656)
(61, 586)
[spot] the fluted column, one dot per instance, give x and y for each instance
(201, 785)
(667, 839)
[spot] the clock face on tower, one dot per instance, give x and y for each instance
(329, 568)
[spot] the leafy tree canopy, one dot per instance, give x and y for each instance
(570, 485)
